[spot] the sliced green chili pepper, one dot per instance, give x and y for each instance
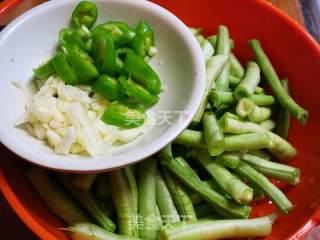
(120, 56)
(44, 70)
(122, 116)
(104, 51)
(142, 72)
(81, 63)
(108, 87)
(85, 13)
(136, 91)
(77, 37)
(63, 69)
(144, 39)
(120, 32)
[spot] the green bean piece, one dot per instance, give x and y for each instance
(239, 191)
(84, 181)
(259, 91)
(147, 198)
(247, 86)
(234, 81)
(213, 41)
(199, 38)
(180, 197)
(236, 68)
(219, 229)
(55, 198)
(213, 67)
(223, 206)
(89, 231)
(222, 81)
(195, 31)
(222, 110)
(261, 154)
(269, 189)
(158, 217)
(272, 78)
(259, 114)
(204, 209)
(281, 148)
(125, 199)
(88, 202)
(213, 134)
(283, 118)
(268, 124)
(207, 49)
(281, 172)
(244, 107)
(220, 98)
(165, 202)
(228, 159)
(248, 141)
(191, 138)
(263, 100)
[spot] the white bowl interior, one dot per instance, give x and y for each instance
(32, 38)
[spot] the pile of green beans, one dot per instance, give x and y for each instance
(202, 184)
(112, 58)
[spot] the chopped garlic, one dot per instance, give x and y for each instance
(70, 121)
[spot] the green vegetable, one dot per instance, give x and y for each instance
(143, 41)
(147, 198)
(228, 159)
(77, 37)
(268, 124)
(137, 92)
(108, 87)
(259, 114)
(283, 118)
(142, 72)
(81, 63)
(248, 141)
(85, 13)
(89, 231)
(223, 206)
(247, 86)
(244, 107)
(213, 67)
(104, 51)
(63, 69)
(272, 78)
(44, 70)
(218, 229)
(165, 202)
(269, 189)
(281, 172)
(125, 199)
(207, 49)
(204, 209)
(55, 198)
(191, 138)
(120, 115)
(120, 32)
(236, 68)
(180, 197)
(213, 134)
(223, 47)
(239, 191)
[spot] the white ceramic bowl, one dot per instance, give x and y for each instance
(33, 37)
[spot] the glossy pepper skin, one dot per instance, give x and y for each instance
(85, 13)
(141, 72)
(44, 70)
(77, 37)
(108, 87)
(120, 32)
(63, 69)
(81, 63)
(104, 51)
(143, 40)
(122, 116)
(137, 92)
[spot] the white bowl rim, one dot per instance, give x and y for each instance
(165, 138)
